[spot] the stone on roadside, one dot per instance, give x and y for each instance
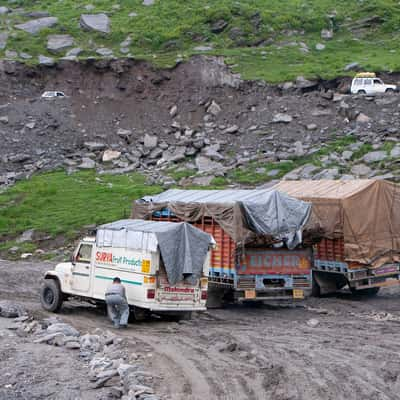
(9, 309)
(87, 163)
(214, 108)
(58, 43)
(205, 164)
(63, 328)
(320, 46)
(95, 22)
(104, 52)
(4, 10)
(46, 61)
(347, 154)
(148, 2)
(282, 118)
(360, 170)
(311, 127)
(375, 156)
(173, 111)
(150, 141)
(395, 153)
(327, 34)
(352, 66)
(94, 146)
(363, 119)
(36, 25)
(27, 236)
(312, 322)
(231, 129)
(110, 155)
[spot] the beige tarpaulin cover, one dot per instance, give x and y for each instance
(366, 213)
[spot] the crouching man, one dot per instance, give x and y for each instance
(117, 305)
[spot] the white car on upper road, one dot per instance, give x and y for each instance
(52, 94)
(368, 83)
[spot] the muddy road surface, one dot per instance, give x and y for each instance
(334, 348)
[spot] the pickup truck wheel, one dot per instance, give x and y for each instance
(51, 296)
(361, 92)
(315, 289)
(389, 91)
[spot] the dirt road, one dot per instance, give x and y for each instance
(255, 352)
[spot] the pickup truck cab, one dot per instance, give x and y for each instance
(367, 83)
(140, 266)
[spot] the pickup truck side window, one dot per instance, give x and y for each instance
(367, 82)
(84, 254)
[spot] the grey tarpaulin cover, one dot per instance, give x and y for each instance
(183, 247)
(241, 213)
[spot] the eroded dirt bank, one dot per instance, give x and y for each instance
(253, 352)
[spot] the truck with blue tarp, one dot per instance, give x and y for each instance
(259, 252)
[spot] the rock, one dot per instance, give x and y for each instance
(148, 2)
(150, 141)
(214, 108)
(347, 154)
(327, 34)
(11, 67)
(203, 48)
(303, 83)
(203, 180)
(395, 153)
(46, 61)
(219, 26)
(73, 345)
(298, 149)
(48, 338)
(204, 164)
(330, 173)
(104, 52)
(231, 129)
(354, 66)
(91, 343)
(4, 119)
(212, 152)
(110, 155)
(282, 118)
(4, 10)
(103, 377)
(11, 310)
(363, 119)
(121, 171)
(124, 133)
(360, 170)
(58, 43)
(307, 171)
(320, 46)
(155, 153)
(27, 236)
(74, 52)
(3, 40)
(311, 127)
(95, 22)
(173, 111)
(321, 112)
(24, 256)
(87, 163)
(312, 322)
(36, 25)
(94, 146)
(174, 155)
(30, 125)
(375, 156)
(63, 328)
(132, 14)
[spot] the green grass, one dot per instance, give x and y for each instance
(172, 29)
(56, 203)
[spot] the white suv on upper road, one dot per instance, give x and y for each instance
(368, 83)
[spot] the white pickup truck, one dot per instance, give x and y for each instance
(150, 258)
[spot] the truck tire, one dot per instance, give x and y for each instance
(361, 92)
(184, 316)
(139, 314)
(389, 91)
(370, 292)
(51, 296)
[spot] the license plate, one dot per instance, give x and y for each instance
(249, 294)
(298, 294)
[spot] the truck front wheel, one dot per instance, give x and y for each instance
(51, 296)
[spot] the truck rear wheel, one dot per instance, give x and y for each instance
(51, 296)
(315, 289)
(370, 292)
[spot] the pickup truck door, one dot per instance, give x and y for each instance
(379, 87)
(81, 268)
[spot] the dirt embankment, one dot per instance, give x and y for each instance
(349, 353)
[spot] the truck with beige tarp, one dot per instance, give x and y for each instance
(359, 232)
(259, 253)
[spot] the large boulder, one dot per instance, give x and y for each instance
(58, 43)
(95, 22)
(375, 156)
(46, 61)
(36, 25)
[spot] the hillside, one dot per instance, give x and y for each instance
(270, 40)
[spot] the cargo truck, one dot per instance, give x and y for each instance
(163, 266)
(359, 222)
(258, 255)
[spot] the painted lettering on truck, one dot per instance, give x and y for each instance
(262, 262)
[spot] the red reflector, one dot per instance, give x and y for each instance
(151, 293)
(204, 294)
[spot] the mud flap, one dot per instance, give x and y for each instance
(329, 282)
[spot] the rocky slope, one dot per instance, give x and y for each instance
(196, 120)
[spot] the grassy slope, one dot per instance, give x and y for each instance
(57, 203)
(187, 25)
